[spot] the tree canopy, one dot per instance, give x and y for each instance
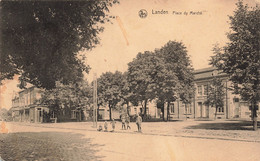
(40, 40)
(110, 87)
(141, 76)
(165, 75)
(240, 57)
(65, 98)
(177, 61)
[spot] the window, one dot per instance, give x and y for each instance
(188, 109)
(236, 99)
(73, 114)
(171, 108)
(52, 114)
(199, 90)
(221, 109)
(206, 90)
(135, 110)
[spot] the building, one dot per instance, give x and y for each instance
(26, 108)
(234, 106)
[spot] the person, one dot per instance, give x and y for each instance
(127, 122)
(105, 125)
(113, 124)
(123, 122)
(100, 128)
(138, 123)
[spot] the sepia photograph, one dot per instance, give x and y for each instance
(129, 80)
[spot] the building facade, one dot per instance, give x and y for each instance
(26, 108)
(234, 106)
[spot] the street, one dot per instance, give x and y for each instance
(32, 143)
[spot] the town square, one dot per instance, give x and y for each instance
(130, 80)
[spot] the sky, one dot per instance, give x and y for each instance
(128, 34)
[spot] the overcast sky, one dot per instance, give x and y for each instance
(130, 34)
(198, 32)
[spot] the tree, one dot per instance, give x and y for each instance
(216, 94)
(109, 90)
(126, 94)
(64, 98)
(178, 81)
(5, 115)
(141, 78)
(40, 41)
(240, 58)
(164, 75)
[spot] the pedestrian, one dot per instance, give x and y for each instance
(105, 125)
(113, 124)
(123, 122)
(100, 128)
(127, 122)
(139, 123)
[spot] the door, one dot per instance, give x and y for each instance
(200, 107)
(236, 107)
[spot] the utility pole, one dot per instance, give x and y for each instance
(95, 101)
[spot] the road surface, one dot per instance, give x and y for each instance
(30, 143)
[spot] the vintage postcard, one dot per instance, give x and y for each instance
(129, 80)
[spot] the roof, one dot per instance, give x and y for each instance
(26, 89)
(208, 73)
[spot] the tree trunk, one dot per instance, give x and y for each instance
(110, 113)
(254, 116)
(216, 113)
(186, 110)
(168, 112)
(97, 112)
(145, 104)
(162, 110)
(128, 109)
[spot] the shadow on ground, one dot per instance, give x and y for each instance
(47, 146)
(241, 125)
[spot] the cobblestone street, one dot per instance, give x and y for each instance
(43, 146)
(159, 141)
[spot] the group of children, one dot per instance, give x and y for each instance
(125, 124)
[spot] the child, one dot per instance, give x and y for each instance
(139, 123)
(127, 122)
(123, 122)
(105, 125)
(113, 124)
(100, 128)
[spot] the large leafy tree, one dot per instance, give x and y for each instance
(240, 58)
(40, 40)
(178, 81)
(126, 93)
(165, 75)
(215, 94)
(142, 72)
(64, 98)
(110, 90)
